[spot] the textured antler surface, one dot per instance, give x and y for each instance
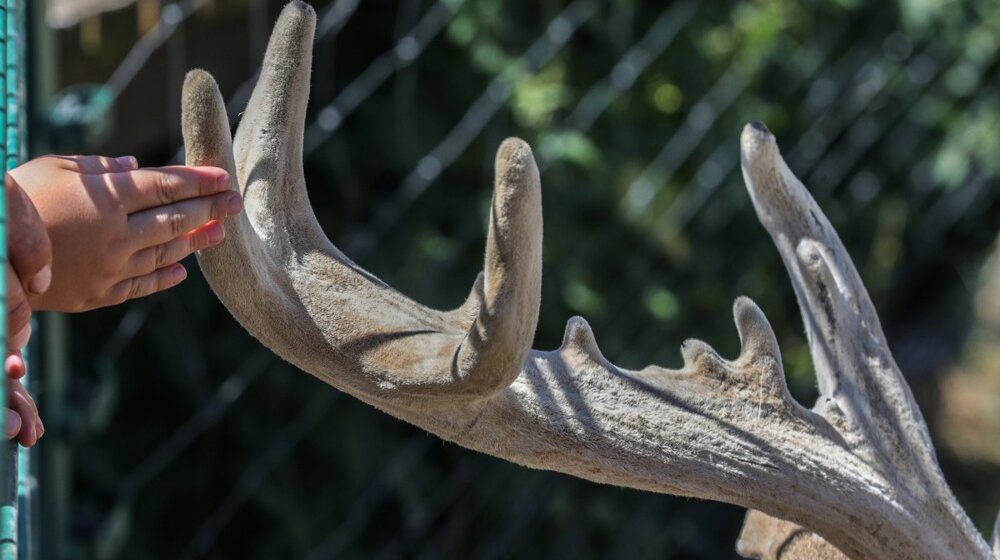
(862, 391)
(858, 470)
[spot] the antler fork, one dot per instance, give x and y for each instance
(858, 469)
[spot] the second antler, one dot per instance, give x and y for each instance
(858, 469)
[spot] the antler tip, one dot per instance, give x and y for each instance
(579, 336)
(204, 122)
(199, 87)
(514, 242)
(513, 148)
(300, 6)
(756, 137)
(692, 349)
(756, 335)
(764, 172)
(290, 47)
(515, 163)
(198, 75)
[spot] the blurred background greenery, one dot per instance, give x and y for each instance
(173, 434)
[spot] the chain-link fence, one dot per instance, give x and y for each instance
(187, 439)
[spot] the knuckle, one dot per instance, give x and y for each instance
(27, 401)
(160, 256)
(56, 161)
(18, 315)
(122, 244)
(91, 164)
(220, 206)
(197, 242)
(119, 294)
(206, 186)
(110, 164)
(177, 222)
(101, 164)
(134, 289)
(166, 188)
(71, 164)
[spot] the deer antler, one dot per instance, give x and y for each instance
(859, 469)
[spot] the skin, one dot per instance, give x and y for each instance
(29, 253)
(29, 257)
(88, 232)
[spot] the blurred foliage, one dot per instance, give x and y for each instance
(888, 111)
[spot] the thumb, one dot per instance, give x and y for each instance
(18, 313)
(28, 245)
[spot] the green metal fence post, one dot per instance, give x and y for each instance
(17, 480)
(8, 508)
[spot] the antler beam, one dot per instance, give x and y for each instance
(859, 469)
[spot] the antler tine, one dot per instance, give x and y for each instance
(862, 390)
(491, 355)
(207, 140)
(268, 142)
(393, 343)
(852, 360)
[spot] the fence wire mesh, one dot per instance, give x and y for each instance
(889, 113)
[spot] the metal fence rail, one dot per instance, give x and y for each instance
(18, 482)
(8, 509)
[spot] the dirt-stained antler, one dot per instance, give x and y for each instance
(859, 469)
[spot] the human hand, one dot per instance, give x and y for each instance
(29, 255)
(118, 231)
(21, 418)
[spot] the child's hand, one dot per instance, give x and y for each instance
(118, 231)
(21, 418)
(29, 260)
(28, 271)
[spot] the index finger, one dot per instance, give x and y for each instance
(142, 189)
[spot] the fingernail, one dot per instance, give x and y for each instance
(11, 423)
(128, 162)
(20, 340)
(235, 204)
(13, 366)
(41, 427)
(223, 181)
(216, 233)
(41, 281)
(178, 273)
